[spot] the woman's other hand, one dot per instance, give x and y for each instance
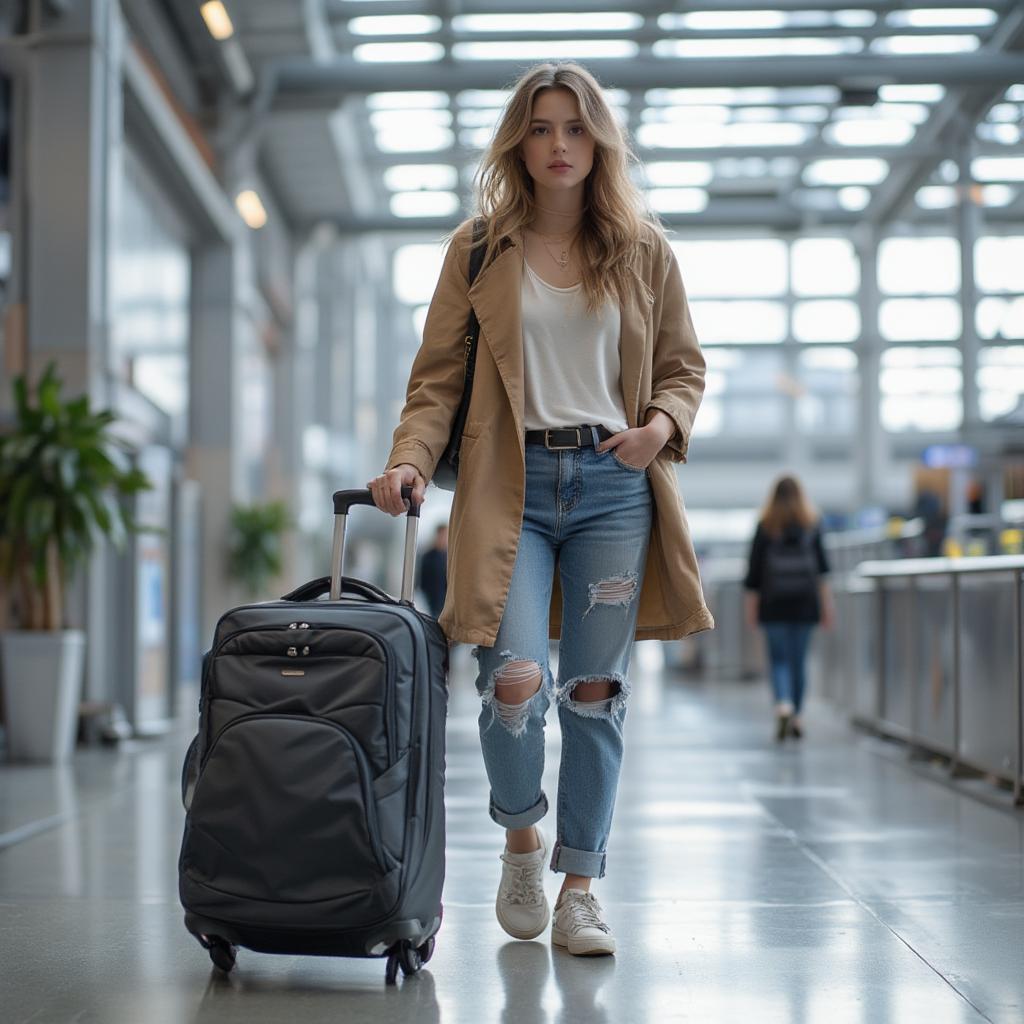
(387, 488)
(638, 446)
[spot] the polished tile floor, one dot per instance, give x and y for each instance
(828, 882)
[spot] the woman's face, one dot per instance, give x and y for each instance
(558, 150)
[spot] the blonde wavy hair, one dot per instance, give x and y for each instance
(615, 213)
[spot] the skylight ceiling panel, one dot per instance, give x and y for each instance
(766, 20)
(553, 49)
(580, 24)
(390, 26)
(707, 135)
(766, 46)
(483, 97)
(413, 177)
(913, 113)
(406, 100)
(950, 17)
(923, 44)
(747, 96)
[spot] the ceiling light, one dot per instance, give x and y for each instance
(424, 204)
(384, 52)
(869, 133)
(676, 174)
(798, 46)
(845, 172)
(406, 100)
(217, 20)
(251, 208)
(998, 195)
(854, 197)
(936, 197)
(997, 168)
(605, 21)
(547, 49)
(911, 93)
(952, 17)
(411, 177)
(925, 44)
(394, 25)
(677, 200)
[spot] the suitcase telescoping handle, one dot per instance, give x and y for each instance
(343, 501)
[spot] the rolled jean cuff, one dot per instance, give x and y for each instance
(524, 819)
(585, 863)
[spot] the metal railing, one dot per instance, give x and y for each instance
(933, 650)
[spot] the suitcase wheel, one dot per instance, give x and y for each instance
(221, 953)
(410, 958)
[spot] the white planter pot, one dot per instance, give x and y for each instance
(42, 682)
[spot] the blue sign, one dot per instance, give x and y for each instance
(950, 456)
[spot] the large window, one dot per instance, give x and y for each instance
(920, 388)
(150, 294)
(1000, 380)
(742, 394)
(827, 396)
(735, 288)
(780, 324)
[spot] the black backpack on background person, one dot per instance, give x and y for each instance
(790, 566)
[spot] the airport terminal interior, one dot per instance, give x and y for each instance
(221, 228)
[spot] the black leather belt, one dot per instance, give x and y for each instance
(563, 438)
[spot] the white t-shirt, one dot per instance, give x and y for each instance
(570, 358)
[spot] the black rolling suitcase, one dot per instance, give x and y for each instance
(314, 789)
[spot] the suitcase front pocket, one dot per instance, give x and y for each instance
(284, 811)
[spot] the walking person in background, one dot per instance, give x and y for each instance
(788, 595)
(587, 379)
(433, 571)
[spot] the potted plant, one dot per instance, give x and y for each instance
(254, 550)
(64, 485)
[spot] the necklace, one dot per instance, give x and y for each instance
(563, 259)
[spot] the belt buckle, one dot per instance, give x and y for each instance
(562, 447)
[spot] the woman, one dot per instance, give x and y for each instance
(787, 594)
(566, 521)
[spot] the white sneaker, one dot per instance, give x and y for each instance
(521, 906)
(578, 925)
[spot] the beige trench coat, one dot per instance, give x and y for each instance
(661, 368)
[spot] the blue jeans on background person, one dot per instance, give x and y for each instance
(593, 512)
(787, 655)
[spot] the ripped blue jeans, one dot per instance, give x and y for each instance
(593, 513)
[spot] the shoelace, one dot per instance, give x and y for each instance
(584, 911)
(523, 883)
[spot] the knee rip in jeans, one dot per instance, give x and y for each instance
(615, 590)
(517, 678)
(608, 707)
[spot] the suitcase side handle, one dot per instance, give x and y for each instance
(343, 502)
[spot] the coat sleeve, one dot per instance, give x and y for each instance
(677, 379)
(438, 372)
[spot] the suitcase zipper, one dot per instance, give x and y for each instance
(389, 682)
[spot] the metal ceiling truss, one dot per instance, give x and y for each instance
(972, 80)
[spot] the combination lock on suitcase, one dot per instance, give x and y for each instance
(314, 788)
